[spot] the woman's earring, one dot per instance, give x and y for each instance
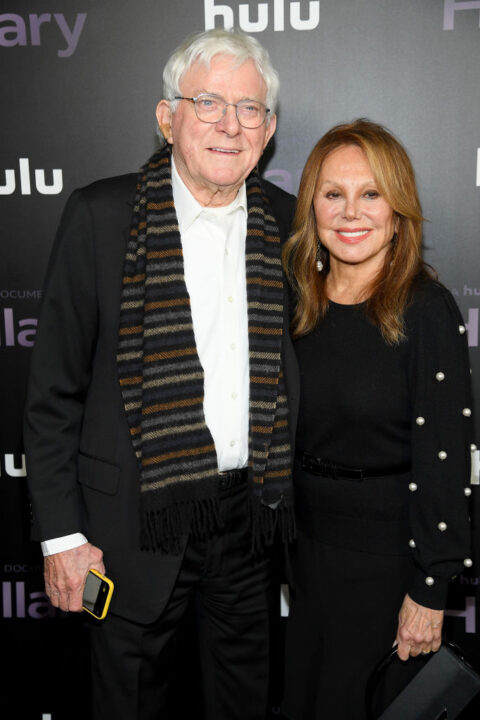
(319, 262)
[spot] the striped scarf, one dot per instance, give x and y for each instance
(162, 379)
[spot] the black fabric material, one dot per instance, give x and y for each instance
(342, 596)
(233, 597)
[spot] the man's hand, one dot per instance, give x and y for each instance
(65, 574)
(419, 629)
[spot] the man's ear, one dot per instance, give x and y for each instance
(270, 129)
(164, 119)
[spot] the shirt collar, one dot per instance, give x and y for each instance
(188, 209)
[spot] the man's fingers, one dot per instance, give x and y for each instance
(53, 595)
(64, 599)
(75, 601)
(68, 601)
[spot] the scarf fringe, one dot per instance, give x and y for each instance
(268, 524)
(163, 528)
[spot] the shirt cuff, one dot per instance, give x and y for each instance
(60, 544)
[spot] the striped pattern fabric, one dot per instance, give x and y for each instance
(162, 382)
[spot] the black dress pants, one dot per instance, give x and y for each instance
(131, 663)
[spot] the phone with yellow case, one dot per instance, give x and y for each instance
(97, 594)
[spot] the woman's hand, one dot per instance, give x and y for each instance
(419, 629)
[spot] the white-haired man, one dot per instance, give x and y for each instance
(156, 426)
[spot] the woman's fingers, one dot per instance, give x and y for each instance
(419, 629)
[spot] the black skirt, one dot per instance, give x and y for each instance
(351, 566)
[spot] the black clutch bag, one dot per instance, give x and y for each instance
(439, 691)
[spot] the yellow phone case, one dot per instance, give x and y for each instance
(100, 602)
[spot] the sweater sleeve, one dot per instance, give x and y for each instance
(442, 434)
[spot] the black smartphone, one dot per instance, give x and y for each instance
(97, 594)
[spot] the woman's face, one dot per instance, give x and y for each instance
(354, 222)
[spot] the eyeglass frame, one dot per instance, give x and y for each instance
(194, 100)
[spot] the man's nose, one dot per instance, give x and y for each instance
(229, 121)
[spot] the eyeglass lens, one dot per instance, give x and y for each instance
(211, 108)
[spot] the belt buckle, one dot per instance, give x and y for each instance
(230, 478)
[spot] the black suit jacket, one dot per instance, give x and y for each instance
(82, 472)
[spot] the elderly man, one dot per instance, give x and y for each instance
(156, 428)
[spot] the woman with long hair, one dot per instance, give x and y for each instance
(384, 433)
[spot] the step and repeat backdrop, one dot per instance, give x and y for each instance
(80, 82)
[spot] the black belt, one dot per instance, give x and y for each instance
(232, 478)
(320, 466)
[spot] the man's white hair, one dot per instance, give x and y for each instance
(203, 46)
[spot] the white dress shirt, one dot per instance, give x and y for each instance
(213, 243)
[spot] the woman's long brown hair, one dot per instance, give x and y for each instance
(389, 293)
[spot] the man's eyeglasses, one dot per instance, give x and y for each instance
(211, 109)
